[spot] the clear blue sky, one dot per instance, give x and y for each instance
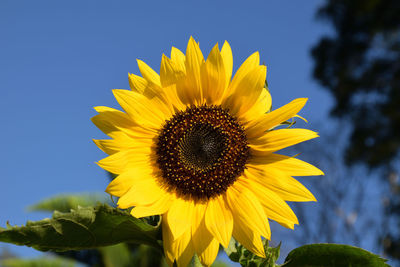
(58, 59)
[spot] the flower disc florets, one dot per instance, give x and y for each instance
(201, 151)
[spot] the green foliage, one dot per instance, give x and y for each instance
(195, 261)
(83, 228)
(331, 255)
(238, 253)
(65, 203)
(145, 256)
(219, 263)
(315, 255)
(40, 262)
(116, 256)
(115, 233)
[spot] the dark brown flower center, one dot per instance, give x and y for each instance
(201, 151)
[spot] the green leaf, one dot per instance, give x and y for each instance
(219, 263)
(237, 253)
(327, 255)
(83, 228)
(116, 256)
(40, 262)
(145, 256)
(65, 203)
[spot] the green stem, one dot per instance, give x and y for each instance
(196, 261)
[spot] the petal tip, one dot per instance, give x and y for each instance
(312, 198)
(97, 142)
(301, 101)
(226, 43)
(97, 108)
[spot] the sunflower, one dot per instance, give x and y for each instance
(197, 147)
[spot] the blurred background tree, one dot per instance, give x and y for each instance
(360, 65)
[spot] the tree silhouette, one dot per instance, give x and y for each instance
(360, 65)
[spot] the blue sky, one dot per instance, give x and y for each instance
(59, 59)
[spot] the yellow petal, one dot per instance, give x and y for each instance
(246, 91)
(151, 113)
(121, 161)
(226, 53)
(193, 62)
(167, 241)
(205, 246)
(277, 139)
(219, 220)
(178, 58)
(201, 237)
(180, 216)
(148, 73)
(181, 249)
(207, 257)
(247, 208)
(109, 146)
(112, 122)
(248, 65)
(169, 72)
(260, 107)
(144, 192)
(160, 206)
(274, 207)
(285, 186)
(144, 87)
(173, 99)
(184, 249)
(289, 165)
(248, 238)
(198, 215)
(137, 83)
(122, 183)
(213, 77)
(120, 142)
(267, 121)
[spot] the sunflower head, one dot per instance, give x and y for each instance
(198, 147)
(201, 152)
